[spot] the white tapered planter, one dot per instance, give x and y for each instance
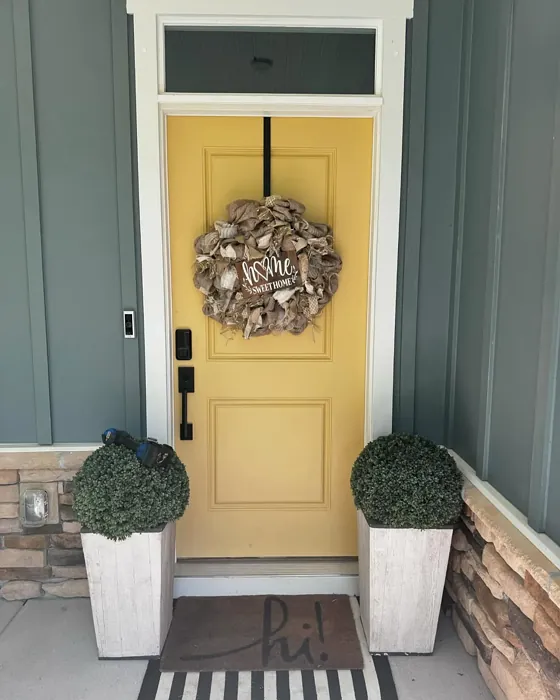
(402, 575)
(131, 590)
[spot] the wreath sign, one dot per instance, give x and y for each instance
(269, 273)
(266, 269)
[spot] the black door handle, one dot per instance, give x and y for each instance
(186, 386)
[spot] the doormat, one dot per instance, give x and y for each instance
(262, 633)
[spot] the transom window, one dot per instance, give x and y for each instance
(269, 60)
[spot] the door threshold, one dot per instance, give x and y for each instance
(282, 576)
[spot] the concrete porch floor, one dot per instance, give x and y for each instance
(47, 651)
(449, 674)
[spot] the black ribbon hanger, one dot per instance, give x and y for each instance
(267, 155)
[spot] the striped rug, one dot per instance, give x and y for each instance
(374, 682)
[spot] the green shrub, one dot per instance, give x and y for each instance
(115, 495)
(407, 481)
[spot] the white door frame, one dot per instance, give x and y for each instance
(388, 18)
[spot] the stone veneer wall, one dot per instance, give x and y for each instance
(46, 561)
(506, 604)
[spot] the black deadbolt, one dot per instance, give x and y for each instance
(183, 344)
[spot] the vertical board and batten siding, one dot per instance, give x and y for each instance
(519, 273)
(480, 30)
(497, 321)
(426, 261)
(545, 474)
(17, 396)
(438, 212)
(67, 372)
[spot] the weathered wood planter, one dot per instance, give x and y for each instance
(402, 574)
(131, 589)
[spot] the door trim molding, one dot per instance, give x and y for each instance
(337, 584)
(266, 566)
(388, 18)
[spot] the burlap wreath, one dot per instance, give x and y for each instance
(254, 230)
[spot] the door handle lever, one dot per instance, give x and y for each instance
(186, 387)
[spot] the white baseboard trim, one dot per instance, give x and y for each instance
(196, 586)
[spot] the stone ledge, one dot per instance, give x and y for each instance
(74, 460)
(45, 475)
(501, 607)
(517, 551)
(66, 461)
(29, 460)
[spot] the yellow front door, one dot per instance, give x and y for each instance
(277, 420)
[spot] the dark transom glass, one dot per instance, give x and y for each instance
(203, 59)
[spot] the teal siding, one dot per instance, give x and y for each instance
(17, 402)
(488, 341)
(78, 226)
(427, 236)
(529, 120)
(438, 211)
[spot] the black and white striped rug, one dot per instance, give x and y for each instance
(373, 682)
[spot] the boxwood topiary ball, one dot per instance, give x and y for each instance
(407, 481)
(116, 495)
